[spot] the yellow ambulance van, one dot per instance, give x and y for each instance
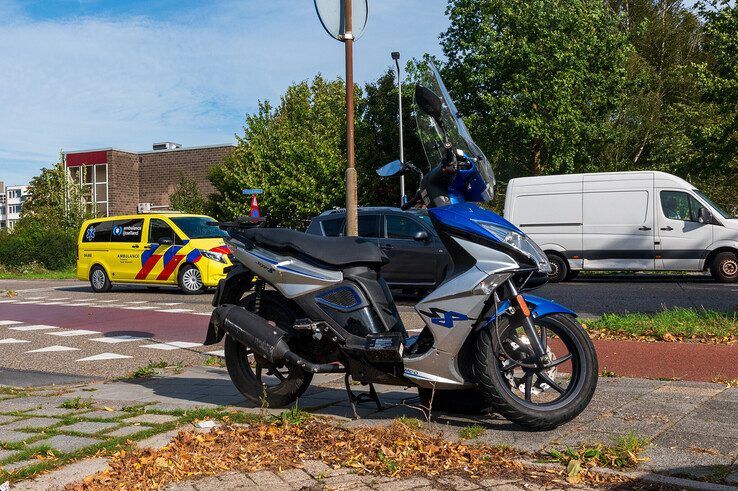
(154, 249)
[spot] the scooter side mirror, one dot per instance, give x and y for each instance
(394, 168)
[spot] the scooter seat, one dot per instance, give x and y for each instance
(332, 251)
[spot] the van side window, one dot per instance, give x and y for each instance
(332, 227)
(127, 230)
(400, 227)
(677, 205)
(98, 232)
(159, 229)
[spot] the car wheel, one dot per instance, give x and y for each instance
(724, 267)
(573, 273)
(99, 280)
(190, 280)
(559, 268)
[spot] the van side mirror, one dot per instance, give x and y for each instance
(421, 236)
(165, 241)
(704, 215)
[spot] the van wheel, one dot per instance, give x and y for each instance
(99, 280)
(559, 268)
(724, 267)
(190, 280)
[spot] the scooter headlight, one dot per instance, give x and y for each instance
(520, 242)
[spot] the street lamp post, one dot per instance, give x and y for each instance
(339, 17)
(352, 211)
(396, 57)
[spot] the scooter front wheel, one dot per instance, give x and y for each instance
(534, 396)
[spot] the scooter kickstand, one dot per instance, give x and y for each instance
(358, 399)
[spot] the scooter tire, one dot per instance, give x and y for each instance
(493, 384)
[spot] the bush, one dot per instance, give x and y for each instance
(54, 248)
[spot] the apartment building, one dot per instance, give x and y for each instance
(11, 204)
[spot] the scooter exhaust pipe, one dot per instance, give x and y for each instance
(266, 340)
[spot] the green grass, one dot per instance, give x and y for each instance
(149, 370)
(677, 324)
(472, 431)
(35, 272)
(215, 361)
(77, 403)
(622, 453)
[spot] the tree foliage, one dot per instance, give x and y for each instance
(538, 80)
(187, 197)
(296, 152)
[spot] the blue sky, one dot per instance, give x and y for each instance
(77, 74)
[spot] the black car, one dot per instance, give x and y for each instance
(417, 257)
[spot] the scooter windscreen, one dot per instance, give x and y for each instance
(432, 136)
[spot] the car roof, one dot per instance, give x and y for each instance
(133, 216)
(362, 209)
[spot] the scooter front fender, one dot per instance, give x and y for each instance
(538, 307)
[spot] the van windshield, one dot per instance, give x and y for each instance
(715, 207)
(198, 228)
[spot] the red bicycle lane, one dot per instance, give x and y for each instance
(685, 361)
(165, 326)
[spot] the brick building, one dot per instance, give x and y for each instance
(116, 181)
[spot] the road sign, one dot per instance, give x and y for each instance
(332, 15)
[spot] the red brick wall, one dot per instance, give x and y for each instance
(123, 182)
(160, 171)
(151, 177)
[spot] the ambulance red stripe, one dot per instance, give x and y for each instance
(148, 266)
(170, 267)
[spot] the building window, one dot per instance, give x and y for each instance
(93, 180)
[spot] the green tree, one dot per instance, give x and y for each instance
(187, 197)
(295, 152)
(538, 80)
(54, 199)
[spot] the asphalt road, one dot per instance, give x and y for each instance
(57, 330)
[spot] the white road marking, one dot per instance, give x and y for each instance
(9, 323)
(13, 341)
(105, 301)
(140, 307)
(60, 298)
(8, 301)
(24, 303)
(52, 303)
(173, 345)
(52, 349)
(138, 301)
(169, 303)
(219, 353)
(35, 327)
(119, 339)
(202, 313)
(75, 332)
(35, 298)
(104, 356)
(174, 311)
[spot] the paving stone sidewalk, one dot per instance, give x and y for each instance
(692, 425)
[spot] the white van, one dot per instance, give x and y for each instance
(645, 221)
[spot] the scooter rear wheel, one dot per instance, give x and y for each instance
(258, 380)
(534, 397)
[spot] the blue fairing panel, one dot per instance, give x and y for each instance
(462, 216)
(538, 307)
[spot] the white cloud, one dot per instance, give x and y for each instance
(127, 82)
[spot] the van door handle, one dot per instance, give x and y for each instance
(135, 246)
(667, 228)
(644, 228)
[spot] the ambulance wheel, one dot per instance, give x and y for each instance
(559, 268)
(99, 280)
(190, 280)
(724, 267)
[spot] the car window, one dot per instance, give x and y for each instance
(159, 229)
(98, 232)
(369, 226)
(332, 227)
(677, 205)
(400, 227)
(127, 230)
